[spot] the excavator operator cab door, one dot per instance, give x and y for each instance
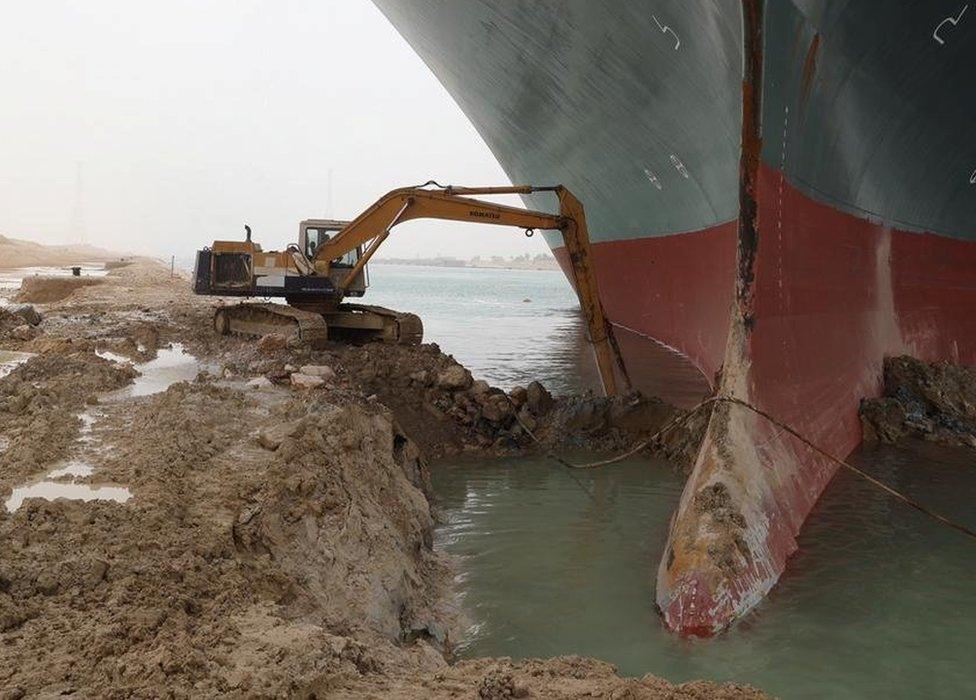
(313, 233)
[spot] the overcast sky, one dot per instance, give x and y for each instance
(161, 126)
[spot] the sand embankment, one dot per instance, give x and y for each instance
(20, 253)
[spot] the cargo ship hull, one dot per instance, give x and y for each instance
(780, 195)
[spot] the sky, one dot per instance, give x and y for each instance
(160, 127)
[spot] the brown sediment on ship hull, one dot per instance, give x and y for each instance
(709, 546)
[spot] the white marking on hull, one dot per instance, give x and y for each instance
(665, 29)
(679, 166)
(653, 178)
(948, 20)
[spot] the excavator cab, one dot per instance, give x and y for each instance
(312, 233)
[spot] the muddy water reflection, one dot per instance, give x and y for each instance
(878, 602)
(52, 490)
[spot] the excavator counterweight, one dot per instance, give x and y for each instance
(329, 264)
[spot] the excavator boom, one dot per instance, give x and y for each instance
(369, 230)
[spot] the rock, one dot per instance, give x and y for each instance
(305, 381)
(497, 408)
(94, 573)
(935, 402)
(272, 343)
(46, 583)
(323, 371)
(271, 437)
(23, 332)
(25, 311)
(260, 384)
(518, 396)
(538, 399)
(454, 377)
(526, 419)
(279, 376)
(421, 377)
(479, 386)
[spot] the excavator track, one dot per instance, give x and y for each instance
(352, 322)
(403, 328)
(256, 320)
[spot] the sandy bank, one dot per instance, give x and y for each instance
(19, 253)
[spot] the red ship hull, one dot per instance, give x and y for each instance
(857, 292)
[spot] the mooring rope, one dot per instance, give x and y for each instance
(684, 417)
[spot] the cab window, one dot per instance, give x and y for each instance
(314, 237)
(350, 258)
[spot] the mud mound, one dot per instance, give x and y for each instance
(935, 402)
(39, 403)
(234, 568)
(45, 290)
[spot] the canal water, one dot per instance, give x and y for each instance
(508, 327)
(879, 601)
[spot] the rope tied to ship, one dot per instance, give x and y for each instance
(682, 418)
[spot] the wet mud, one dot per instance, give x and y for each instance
(933, 402)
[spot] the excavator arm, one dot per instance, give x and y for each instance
(373, 226)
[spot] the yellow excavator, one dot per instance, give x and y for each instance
(328, 264)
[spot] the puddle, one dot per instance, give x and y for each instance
(75, 467)
(171, 365)
(87, 419)
(10, 359)
(113, 357)
(52, 490)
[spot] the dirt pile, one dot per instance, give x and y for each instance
(446, 411)
(19, 321)
(935, 402)
(234, 568)
(44, 290)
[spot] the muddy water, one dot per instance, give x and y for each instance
(10, 278)
(171, 365)
(878, 602)
(10, 359)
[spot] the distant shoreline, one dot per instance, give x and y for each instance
(541, 262)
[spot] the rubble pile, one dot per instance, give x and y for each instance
(934, 402)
